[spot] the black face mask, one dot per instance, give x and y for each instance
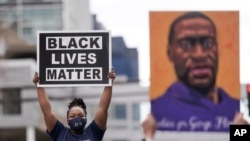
(77, 124)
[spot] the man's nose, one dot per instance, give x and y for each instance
(198, 51)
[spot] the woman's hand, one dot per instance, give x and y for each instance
(36, 79)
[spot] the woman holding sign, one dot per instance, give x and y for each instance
(76, 116)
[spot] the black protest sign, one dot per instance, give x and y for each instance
(74, 58)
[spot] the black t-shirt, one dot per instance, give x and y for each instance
(91, 133)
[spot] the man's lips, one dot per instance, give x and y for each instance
(200, 71)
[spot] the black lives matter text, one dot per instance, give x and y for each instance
(73, 58)
(74, 43)
(73, 74)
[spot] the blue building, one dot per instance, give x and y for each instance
(125, 60)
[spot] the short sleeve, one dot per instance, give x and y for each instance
(94, 131)
(57, 131)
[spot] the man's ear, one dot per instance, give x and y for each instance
(170, 53)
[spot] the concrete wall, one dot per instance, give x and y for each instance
(16, 73)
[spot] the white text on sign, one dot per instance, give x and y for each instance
(74, 74)
(73, 58)
(74, 43)
(240, 132)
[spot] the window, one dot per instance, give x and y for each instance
(10, 101)
(7, 1)
(136, 111)
(1, 102)
(43, 19)
(118, 112)
(40, 1)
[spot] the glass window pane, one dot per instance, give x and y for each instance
(11, 101)
(3, 1)
(7, 1)
(39, 1)
(44, 19)
(120, 111)
(136, 111)
(1, 102)
(8, 17)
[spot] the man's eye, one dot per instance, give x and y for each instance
(208, 43)
(185, 44)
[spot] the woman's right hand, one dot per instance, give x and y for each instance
(36, 79)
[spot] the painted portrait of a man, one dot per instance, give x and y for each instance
(194, 69)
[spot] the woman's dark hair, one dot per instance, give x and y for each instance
(77, 102)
